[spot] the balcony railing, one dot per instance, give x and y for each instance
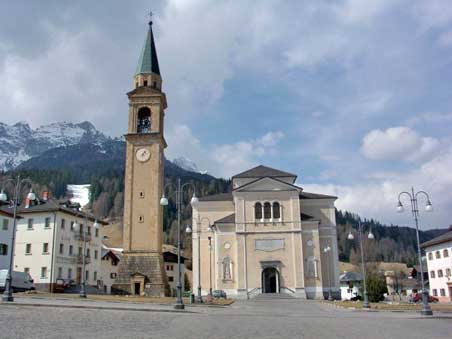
(79, 237)
(78, 259)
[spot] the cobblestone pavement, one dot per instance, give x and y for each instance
(285, 318)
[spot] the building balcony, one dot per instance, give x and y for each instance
(78, 259)
(79, 237)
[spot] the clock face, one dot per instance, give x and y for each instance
(143, 154)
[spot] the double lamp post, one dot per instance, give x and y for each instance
(426, 310)
(179, 190)
(18, 186)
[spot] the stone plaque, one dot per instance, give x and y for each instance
(269, 245)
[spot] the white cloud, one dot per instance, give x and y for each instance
(223, 160)
(398, 143)
(378, 198)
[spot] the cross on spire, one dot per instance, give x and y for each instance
(150, 15)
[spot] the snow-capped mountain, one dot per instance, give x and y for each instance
(185, 164)
(19, 142)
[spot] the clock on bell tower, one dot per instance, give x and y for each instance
(141, 268)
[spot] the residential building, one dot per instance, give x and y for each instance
(171, 269)
(49, 248)
(6, 236)
(108, 269)
(439, 264)
(351, 285)
(267, 236)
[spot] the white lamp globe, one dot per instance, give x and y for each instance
(3, 196)
(164, 201)
(194, 200)
(31, 196)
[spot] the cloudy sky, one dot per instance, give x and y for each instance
(354, 96)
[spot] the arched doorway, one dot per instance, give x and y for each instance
(270, 280)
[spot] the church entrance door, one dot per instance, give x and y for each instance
(270, 280)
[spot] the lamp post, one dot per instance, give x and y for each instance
(198, 234)
(327, 250)
(17, 182)
(426, 310)
(363, 267)
(164, 202)
(84, 232)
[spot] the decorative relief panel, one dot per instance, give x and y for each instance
(269, 245)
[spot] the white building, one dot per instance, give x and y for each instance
(49, 248)
(351, 285)
(6, 234)
(170, 263)
(267, 236)
(439, 263)
(108, 269)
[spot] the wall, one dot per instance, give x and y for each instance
(440, 264)
(6, 238)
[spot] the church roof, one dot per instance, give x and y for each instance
(306, 217)
(307, 195)
(264, 171)
(148, 62)
(439, 240)
(217, 197)
(229, 219)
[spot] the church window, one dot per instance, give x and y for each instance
(145, 83)
(258, 211)
(144, 120)
(154, 84)
(267, 210)
(141, 195)
(312, 267)
(276, 210)
(227, 268)
(140, 218)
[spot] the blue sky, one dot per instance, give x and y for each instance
(352, 95)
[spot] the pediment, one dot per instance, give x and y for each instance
(268, 184)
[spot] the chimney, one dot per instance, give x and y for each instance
(45, 195)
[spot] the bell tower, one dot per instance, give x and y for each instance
(140, 271)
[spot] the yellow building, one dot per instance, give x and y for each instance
(267, 236)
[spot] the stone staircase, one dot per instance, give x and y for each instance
(272, 296)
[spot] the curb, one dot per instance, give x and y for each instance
(92, 307)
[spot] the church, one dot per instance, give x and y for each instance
(267, 236)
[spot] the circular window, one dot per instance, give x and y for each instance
(310, 243)
(227, 245)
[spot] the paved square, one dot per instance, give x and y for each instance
(280, 318)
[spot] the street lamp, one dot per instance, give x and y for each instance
(8, 293)
(164, 202)
(363, 268)
(426, 310)
(327, 250)
(84, 233)
(198, 234)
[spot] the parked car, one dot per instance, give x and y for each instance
(21, 281)
(219, 294)
(62, 284)
(417, 298)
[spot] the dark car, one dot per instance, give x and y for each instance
(417, 298)
(219, 294)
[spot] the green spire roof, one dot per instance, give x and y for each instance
(148, 62)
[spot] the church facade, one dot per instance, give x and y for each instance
(267, 236)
